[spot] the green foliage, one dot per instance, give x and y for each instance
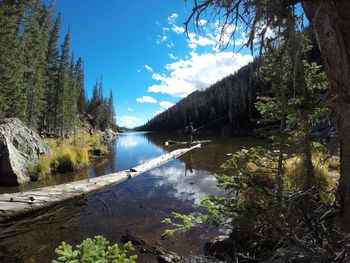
(264, 212)
(12, 68)
(181, 222)
(79, 77)
(34, 43)
(94, 250)
(52, 72)
(101, 109)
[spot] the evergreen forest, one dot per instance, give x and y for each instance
(41, 82)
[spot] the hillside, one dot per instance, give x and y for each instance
(227, 105)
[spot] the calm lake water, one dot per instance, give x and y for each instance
(138, 205)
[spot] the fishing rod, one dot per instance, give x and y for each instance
(210, 123)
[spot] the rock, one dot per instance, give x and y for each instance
(108, 136)
(19, 147)
(219, 246)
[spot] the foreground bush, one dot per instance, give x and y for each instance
(94, 250)
(272, 218)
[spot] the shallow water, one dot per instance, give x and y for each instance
(137, 205)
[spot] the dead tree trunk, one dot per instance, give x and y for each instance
(330, 21)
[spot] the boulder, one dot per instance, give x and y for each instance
(220, 246)
(108, 136)
(19, 147)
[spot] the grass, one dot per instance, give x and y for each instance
(68, 155)
(326, 171)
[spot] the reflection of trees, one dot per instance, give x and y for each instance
(189, 164)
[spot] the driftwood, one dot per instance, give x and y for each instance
(17, 204)
(161, 253)
(170, 142)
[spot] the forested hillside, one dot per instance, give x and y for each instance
(227, 104)
(40, 80)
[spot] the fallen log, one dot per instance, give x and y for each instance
(170, 142)
(17, 204)
(162, 254)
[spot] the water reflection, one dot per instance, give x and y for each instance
(186, 185)
(138, 205)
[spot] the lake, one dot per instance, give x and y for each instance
(138, 205)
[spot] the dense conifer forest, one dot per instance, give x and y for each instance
(41, 82)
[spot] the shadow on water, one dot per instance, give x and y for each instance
(137, 205)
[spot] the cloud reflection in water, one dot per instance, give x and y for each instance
(187, 186)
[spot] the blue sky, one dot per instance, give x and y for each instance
(142, 53)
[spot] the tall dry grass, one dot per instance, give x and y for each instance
(67, 155)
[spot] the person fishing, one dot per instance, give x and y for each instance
(189, 129)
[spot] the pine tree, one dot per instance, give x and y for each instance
(52, 76)
(34, 43)
(70, 99)
(63, 84)
(111, 112)
(79, 75)
(100, 105)
(11, 66)
(93, 105)
(95, 108)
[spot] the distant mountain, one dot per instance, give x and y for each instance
(227, 106)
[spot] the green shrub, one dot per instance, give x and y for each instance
(94, 250)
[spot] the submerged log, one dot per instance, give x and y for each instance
(162, 254)
(17, 204)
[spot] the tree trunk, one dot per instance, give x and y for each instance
(330, 21)
(295, 43)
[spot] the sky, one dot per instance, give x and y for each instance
(142, 53)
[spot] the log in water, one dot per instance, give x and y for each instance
(17, 204)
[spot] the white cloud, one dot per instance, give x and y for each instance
(148, 68)
(139, 70)
(166, 104)
(128, 120)
(172, 22)
(202, 22)
(197, 72)
(195, 40)
(172, 18)
(130, 109)
(170, 45)
(146, 99)
(172, 56)
(178, 29)
(158, 112)
(161, 38)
